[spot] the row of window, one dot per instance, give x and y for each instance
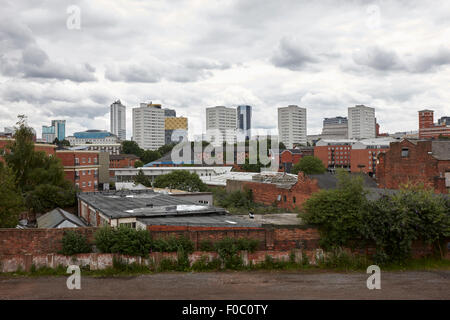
(83, 160)
(89, 184)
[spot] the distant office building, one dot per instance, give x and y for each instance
(93, 137)
(292, 126)
(118, 120)
(169, 113)
(430, 130)
(444, 121)
(361, 122)
(175, 129)
(148, 126)
(48, 134)
(60, 129)
(244, 120)
(56, 130)
(335, 128)
(221, 125)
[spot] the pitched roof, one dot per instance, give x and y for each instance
(54, 218)
(329, 181)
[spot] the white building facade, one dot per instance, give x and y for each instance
(148, 126)
(361, 122)
(292, 126)
(221, 124)
(118, 120)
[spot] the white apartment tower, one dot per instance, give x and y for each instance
(118, 124)
(221, 124)
(292, 125)
(361, 122)
(148, 126)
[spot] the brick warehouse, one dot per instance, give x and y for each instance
(430, 130)
(81, 168)
(283, 190)
(415, 161)
(290, 157)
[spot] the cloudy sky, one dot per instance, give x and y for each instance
(189, 55)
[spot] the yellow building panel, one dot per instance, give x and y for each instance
(174, 123)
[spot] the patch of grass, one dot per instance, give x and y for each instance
(423, 264)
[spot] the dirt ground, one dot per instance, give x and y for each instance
(234, 285)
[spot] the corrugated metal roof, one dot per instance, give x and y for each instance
(142, 203)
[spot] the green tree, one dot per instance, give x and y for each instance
(394, 222)
(38, 177)
(141, 178)
(11, 202)
(149, 156)
(309, 165)
(181, 180)
(338, 212)
(131, 147)
(166, 148)
(138, 164)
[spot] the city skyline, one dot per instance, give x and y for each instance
(320, 56)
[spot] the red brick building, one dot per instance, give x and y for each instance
(290, 157)
(122, 160)
(415, 161)
(364, 155)
(430, 130)
(81, 167)
(287, 191)
(334, 153)
(354, 155)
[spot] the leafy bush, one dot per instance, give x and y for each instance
(181, 180)
(206, 245)
(345, 218)
(173, 244)
(309, 165)
(337, 213)
(123, 240)
(73, 243)
(392, 223)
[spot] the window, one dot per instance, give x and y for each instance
(89, 183)
(405, 153)
(284, 198)
(293, 199)
(129, 225)
(84, 173)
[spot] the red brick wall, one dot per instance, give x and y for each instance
(419, 167)
(16, 243)
(42, 241)
(122, 163)
(267, 193)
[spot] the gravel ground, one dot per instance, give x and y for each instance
(234, 285)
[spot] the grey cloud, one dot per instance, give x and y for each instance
(292, 55)
(378, 59)
(153, 70)
(388, 60)
(430, 62)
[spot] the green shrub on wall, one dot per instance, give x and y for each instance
(346, 218)
(73, 243)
